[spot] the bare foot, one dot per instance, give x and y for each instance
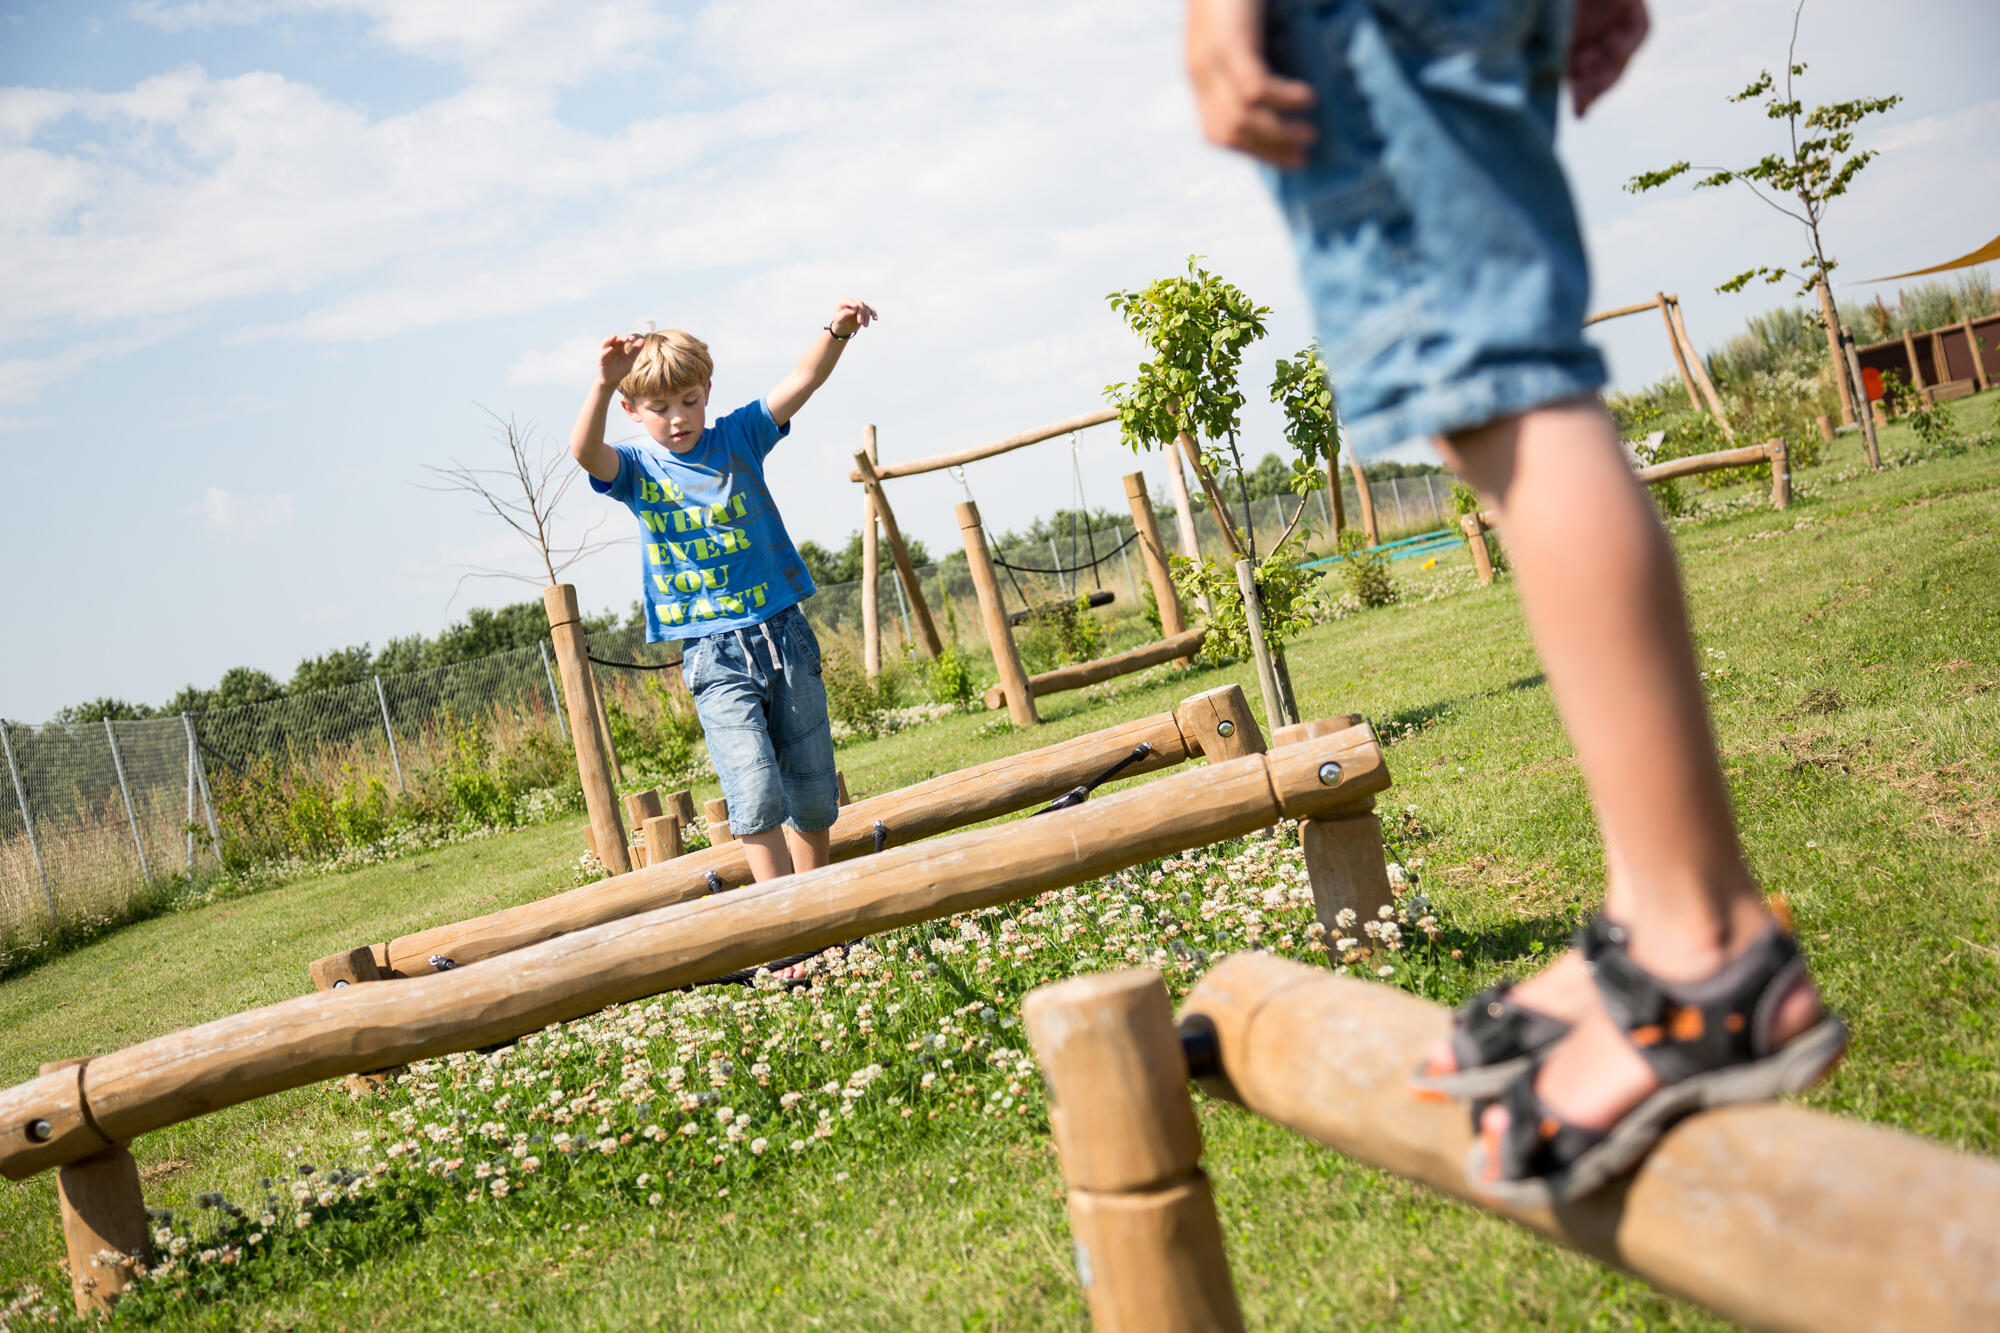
(1595, 1075)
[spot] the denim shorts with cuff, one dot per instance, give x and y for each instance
(1436, 236)
(763, 712)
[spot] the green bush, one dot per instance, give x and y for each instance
(852, 699)
(1288, 594)
(1365, 571)
(948, 678)
(361, 811)
(1060, 631)
(658, 740)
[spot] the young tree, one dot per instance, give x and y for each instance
(1813, 171)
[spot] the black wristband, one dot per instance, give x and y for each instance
(839, 337)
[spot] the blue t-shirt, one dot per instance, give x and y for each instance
(713, 550)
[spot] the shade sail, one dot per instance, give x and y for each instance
(1985, 254)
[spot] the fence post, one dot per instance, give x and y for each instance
(1781, 474)
(382, 698)
(1149, 1247)
(715, 813)
(1475, 537)
(593, 763)
(555, 700)
(999, 638)
(125, 790)
(201, 785)
(1253, 619)
(1346, 864)
(1430, 489)
(189, 825)
(1153, 555)
(28, 821)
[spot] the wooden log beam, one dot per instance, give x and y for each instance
(1700, 369)
(1748, 455)
(938, 462)
(925, 809)
(1148, 1243)
(1365, 498)
(1774, 1217)
(60, 1118)
(1153, 553)
(993, 618)
(906, 571)
(1680, 354)
(1623, 311)
(1078, 674)
(593, 758)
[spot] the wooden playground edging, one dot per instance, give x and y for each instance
(79, 1116)
(1212, 723)
(1769, 1215)
(1773, 452)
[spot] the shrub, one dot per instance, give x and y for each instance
(1288, 593)
(361, 811)
(480, 791)
(1365, 571)
(659, 740)
(1063, 630)
(948, 678)
(851, 698)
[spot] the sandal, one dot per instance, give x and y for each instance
(1709, 1042)
(1493, 1039)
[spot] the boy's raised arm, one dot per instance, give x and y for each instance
(586, 438)
(813, 368)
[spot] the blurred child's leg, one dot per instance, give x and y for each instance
(1598, 584)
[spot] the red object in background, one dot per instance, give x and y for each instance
(1871, 382)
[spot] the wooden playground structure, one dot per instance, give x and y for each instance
(1694, 374)
(1772, 453)
(1772, 1216)
(617, 944)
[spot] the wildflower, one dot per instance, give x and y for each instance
(501, 1189)
(302, 1220)
(655, 1199)
(757, 1146)
(1385, 971)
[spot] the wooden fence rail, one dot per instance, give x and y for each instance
(1772, 1216)
(925, 809)
(81, 1116)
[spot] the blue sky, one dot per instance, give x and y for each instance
(262, 260)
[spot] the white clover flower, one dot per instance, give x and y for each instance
(1385, 971)
(690, 1129)
(1345, 918)
(655, 1200)
(302, 1220)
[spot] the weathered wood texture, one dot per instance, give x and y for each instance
(1153, 553)
(993, 617)
(1621, 311)
(1781, 474)
(1148, 1247)
(1078, 674)
(1700, 369)
(593, 761)
(103, 1217)
(715, 813)
(681, 804)
(641, 806)
(871, 570)
(1482, 554)
(1346, 866)
(1312, 728)
(662, 835)
(1365, 498)
(1748, 455)
(906, 571)
(1218, 724)
(1680, 353)
(329, 1033)
(840, 785)
(1772, 1216)
(922, 810)
(346, 968)
(938, 462)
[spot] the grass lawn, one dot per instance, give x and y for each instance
(1853, 648)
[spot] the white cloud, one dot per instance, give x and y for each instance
(241, 516)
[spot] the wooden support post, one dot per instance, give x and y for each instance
(1781, 474)
(1149, 1247)
(1153, 553)
(641, 806)
(348, 967)
(1006, 657)
(1867, 415)
(590, 842)
(906, 572)
(1336, 500)
(1313, 729)
(871, 572)
(1482, 555)
(1680, 357)
(1219, 722)
(716, 812)
(1700, 370)
(1972, 349)
(840, 783)
(1217, 504)
(593, 762)
(681, 805)
(1916, 370)
(662, 836)
(604, 723)
(1940, 363)
(1260, 654)
(1772, 1216)
(1365, 498)
(1346, 865)
(104, 1226)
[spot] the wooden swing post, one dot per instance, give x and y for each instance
(1006, 657)
(593, 759)
(1154, 553)
(906, 571)
(871, 573)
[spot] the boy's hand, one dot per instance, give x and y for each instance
(1603, 36)
(616, 357)
(1243, 105)
(849, 316)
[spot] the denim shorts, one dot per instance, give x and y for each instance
(763, 712)
(1436, 236)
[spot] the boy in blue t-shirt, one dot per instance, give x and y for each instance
(722, 575)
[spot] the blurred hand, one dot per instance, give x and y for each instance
(1603, 36)
(849, 316)
(1243, 105)
(616, 357)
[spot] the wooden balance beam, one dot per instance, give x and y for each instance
(1078, 674)
(81, 1117)
(949, 801)
(1772, 1216)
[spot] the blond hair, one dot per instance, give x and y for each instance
(671, 360)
